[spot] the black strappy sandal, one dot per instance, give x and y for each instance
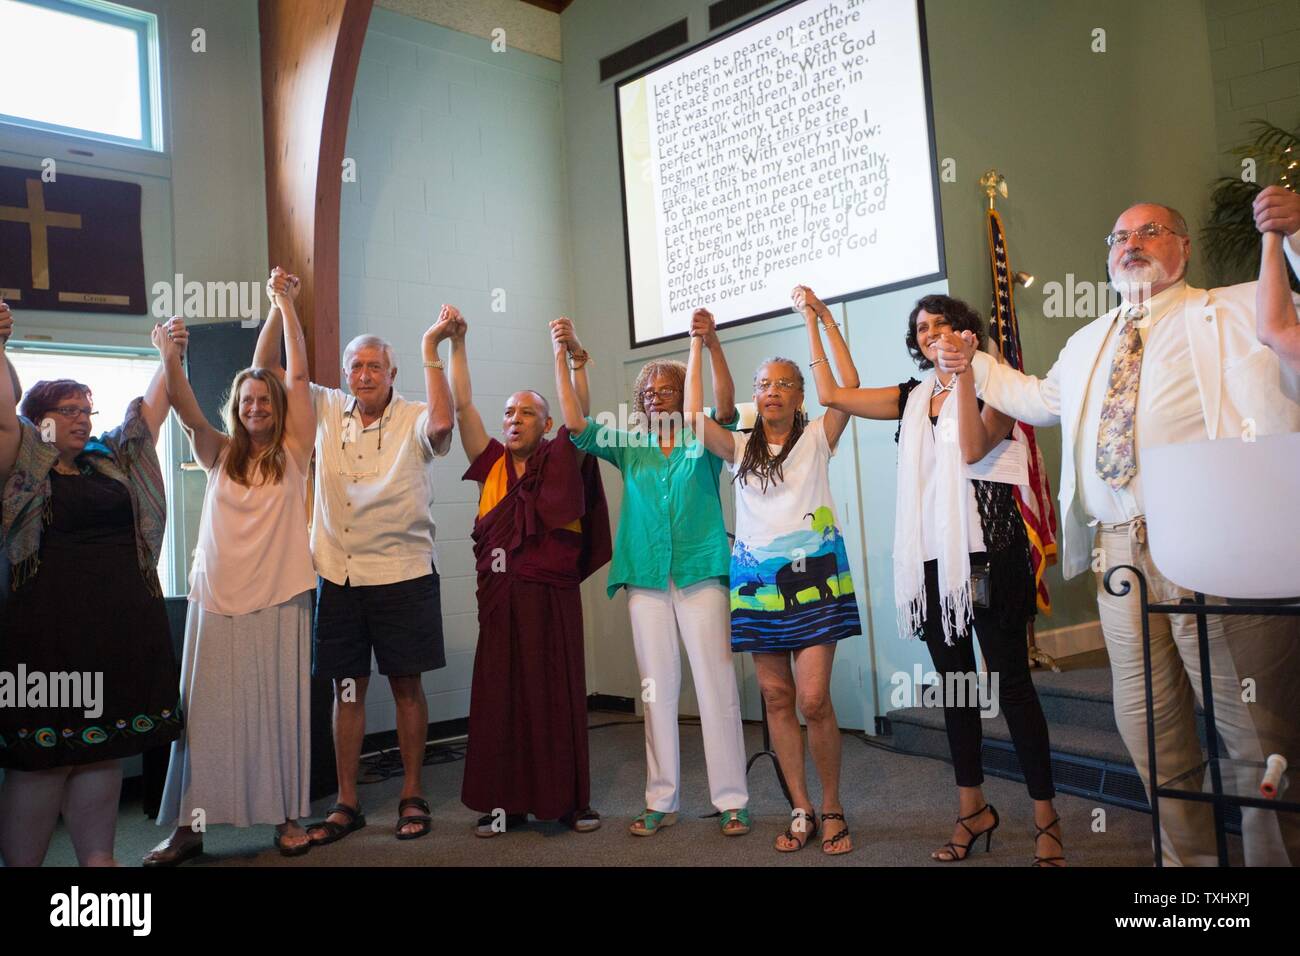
(810, 831)
(422, 818)
(829, 845)
(959, 851)
(1055, 861)
(337, 831)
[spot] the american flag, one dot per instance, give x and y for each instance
(1035, 498)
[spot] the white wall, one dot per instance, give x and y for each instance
(1255, 57)
(460, 183)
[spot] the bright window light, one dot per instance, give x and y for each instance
(114, 381)
(81, 68)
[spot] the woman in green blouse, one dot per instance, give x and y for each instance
(672, 554)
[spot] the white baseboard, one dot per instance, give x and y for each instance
(1076, 639)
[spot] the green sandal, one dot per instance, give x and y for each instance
(652, 821)
(740, 816)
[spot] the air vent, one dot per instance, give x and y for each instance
(644, 50)
(724, 11)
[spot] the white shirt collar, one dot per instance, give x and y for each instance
(1158, 304)
(351, 406)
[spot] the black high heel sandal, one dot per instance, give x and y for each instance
(1055, 861)
(959, 851)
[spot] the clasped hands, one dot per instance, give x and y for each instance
(450, 324)
(703, 327)
(282, 284)
(1277, 210)
(954, 352)
(171, 338)
(803, 299)
(563, 337)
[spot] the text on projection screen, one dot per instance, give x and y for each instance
(796, 151)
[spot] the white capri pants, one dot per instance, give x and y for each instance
(701, 616)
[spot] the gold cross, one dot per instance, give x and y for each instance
(39, 220)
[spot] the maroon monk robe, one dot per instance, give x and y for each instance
(527, 750)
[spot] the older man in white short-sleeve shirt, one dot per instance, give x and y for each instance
(373, 544)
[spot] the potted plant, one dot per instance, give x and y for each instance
(1232, 244)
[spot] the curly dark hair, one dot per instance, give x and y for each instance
(43, 396)
(960, 316)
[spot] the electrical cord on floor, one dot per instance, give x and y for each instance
(387, 764)
(633, 719)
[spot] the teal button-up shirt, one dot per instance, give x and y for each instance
(671, 525)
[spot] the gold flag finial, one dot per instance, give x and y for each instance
(994, 183)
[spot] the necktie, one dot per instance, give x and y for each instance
(1116, 455)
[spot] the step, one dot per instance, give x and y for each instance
(1088, 755)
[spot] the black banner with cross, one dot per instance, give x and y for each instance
(70, 244)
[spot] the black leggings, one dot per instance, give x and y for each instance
(1006, 655)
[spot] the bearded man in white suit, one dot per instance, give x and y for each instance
(1172, 364)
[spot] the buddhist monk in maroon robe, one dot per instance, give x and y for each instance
(542, 528)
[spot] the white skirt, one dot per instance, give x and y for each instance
(244, 757)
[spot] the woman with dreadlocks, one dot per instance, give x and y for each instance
(791, 593)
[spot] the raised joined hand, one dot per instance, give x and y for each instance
(955, 352)
(445, 327)
(563, 336)
(1277, 210)
(282, 283)
(704, 326)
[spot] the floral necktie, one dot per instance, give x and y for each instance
(1116, 457)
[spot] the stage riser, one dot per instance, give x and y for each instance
(1108, 779)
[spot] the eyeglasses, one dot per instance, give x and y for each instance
(783, 384)
(73, 412)
(667, 392)
(1151, 230)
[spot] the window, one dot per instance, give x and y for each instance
(114, 376)
(84, 67)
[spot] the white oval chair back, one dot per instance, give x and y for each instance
(1223, 517)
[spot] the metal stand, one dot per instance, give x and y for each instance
(1243, 775)
(767, 751)
(1037, 656)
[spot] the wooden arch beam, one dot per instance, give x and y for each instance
(310, 52)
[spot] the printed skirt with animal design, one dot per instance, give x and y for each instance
(793, 591)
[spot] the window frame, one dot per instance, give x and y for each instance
(145, 26)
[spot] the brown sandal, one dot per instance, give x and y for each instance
(337, 831)
(423, 819)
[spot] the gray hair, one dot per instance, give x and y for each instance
(779, 360)
(369, 342)
(1179, 222)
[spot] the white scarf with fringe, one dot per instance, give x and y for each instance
(951, 506)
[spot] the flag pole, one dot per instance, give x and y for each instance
(1034, 501)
